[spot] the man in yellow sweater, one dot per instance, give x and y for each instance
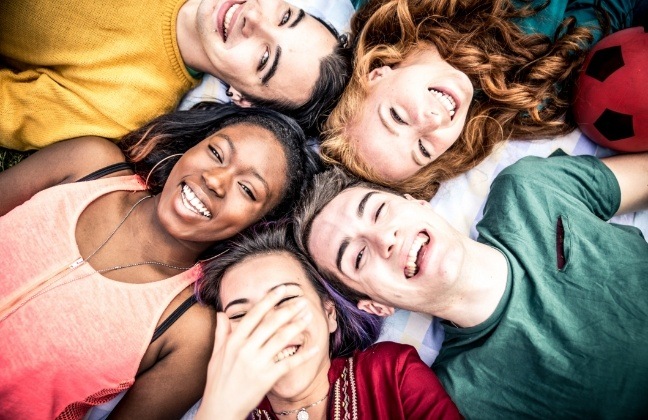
(72, 68)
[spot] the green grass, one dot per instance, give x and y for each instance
(10, 157)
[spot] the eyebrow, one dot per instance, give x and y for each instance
(233, 151)
(300, 16)
(346, 240)
(243, 300)
(273, 68)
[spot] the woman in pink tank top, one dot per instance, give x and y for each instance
(91, 270)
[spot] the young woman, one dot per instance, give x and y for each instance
(284, 333)
(437, 83)
(94, 271)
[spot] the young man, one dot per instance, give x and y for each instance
(105, 68)
(545, 314)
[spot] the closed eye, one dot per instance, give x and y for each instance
(284, 300)
(378, 211)
(423, 150)
(285, 18)
(396, 117)
(216, 154)
(248, 191)
(237, 316)
(359, 258)
(264, 59)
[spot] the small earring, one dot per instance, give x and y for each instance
(155, 167)
(229, 93)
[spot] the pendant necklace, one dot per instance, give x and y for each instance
(302, 414)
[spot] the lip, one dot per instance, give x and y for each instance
(453, 95)
(201, 196)
(220, 17)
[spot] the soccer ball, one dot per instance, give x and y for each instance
(611, 98)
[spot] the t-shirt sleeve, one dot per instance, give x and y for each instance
(583, 180)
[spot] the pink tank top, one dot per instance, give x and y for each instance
(70, 344)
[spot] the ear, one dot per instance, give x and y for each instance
(375, 308)
(421, 202)
(238, 98)
(376, 74)
(331, 315)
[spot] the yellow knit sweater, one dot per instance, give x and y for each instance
(81, 67)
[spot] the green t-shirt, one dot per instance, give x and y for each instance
(569, 342)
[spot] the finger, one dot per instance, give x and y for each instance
(275, 320)
(251, 319)
(223, 330)
(287, 335)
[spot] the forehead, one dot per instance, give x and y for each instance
(340, 218)
(258, 274)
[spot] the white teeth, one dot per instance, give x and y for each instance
(410, 266)
(285, 353)
(228, 18)
(446, 100)
(193, 203)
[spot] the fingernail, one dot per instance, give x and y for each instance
(279, 290)
(300, 305)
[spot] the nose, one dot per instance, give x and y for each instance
(430, 119)
(254, 22)
(218, 180)
(384, 238)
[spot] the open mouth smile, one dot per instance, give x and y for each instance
(286, 353)
(193, 203)
(446, 100)
(227, 19)
(414, 255)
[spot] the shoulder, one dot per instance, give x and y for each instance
(387, 355)
(81, 156)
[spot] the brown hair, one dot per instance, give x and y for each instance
(522, 82)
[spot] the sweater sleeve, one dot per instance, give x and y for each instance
(38, 109)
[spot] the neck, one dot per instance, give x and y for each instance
(483, 281)
(317, 389)
(189, 42)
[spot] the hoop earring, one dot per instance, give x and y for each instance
(155, 167)
(229, 93)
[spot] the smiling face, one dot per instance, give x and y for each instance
(258, 47)
(223, 184)
(395, 250)
(249, 281)
(412, 114)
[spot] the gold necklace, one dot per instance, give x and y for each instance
(80, 261)
(302, 414)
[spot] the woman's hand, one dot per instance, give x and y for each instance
(242, 368)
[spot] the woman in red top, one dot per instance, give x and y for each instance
(284, 333)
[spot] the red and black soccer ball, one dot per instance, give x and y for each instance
(611, 98)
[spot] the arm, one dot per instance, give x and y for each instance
(56, 164)
(631, 172)
(176, 380)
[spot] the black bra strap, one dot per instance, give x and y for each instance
(100, 173)
(174, 317)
